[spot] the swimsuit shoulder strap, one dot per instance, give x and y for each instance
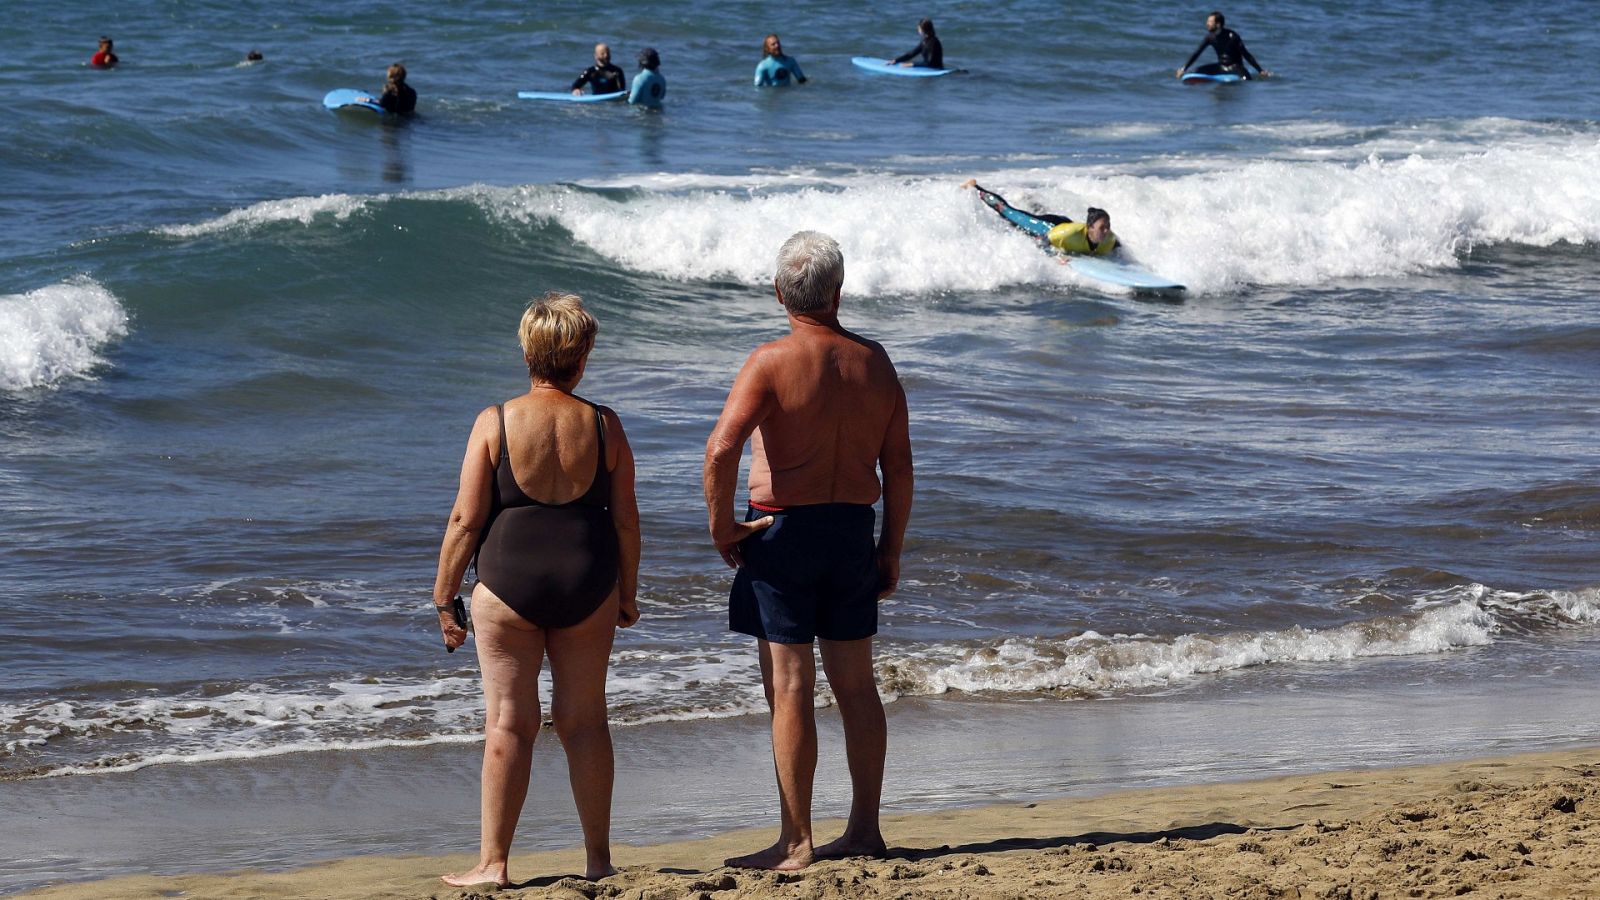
(505, 451)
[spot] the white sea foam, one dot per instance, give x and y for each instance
(1282, 221)
(652, 685)
(1096, 663)
(1399, 204)
(303, 210)
(56, 332)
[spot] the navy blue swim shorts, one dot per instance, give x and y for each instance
(812, 574)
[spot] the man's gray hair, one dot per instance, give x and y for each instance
(810, 271)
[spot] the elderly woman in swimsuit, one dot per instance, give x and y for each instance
(547, 505)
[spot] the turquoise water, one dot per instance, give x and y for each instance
(242, 340)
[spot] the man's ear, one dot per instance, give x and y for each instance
(777, 291)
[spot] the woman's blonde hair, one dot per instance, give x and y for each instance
(556, 334)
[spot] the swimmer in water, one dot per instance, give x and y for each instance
(648, 86)
(602, 77)
(397, 96)
(775, 69)
(1092, 236)
(103, 57)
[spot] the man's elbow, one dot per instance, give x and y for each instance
(720, 452)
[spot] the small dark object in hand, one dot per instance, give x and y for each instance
(458, 609)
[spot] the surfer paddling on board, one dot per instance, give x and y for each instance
(1231, 52)
(397, 97)
(930, 49)
(1092, 236)
(602, 77)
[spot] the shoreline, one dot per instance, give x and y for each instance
(685, 781)
(1526, 825)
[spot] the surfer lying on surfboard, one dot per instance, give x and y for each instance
(1092, 236)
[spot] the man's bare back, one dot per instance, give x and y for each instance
(830, 396)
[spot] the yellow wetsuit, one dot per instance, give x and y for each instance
(1070, 237)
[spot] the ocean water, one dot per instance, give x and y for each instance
(242, 341)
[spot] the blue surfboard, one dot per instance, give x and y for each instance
(569, 97)
(1210, 78)
(346, 98)
(1121, 274)
(878, 67)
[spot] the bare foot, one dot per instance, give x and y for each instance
(595, 873)
(481, 875)
(778, 858)
(970, 183)
(851, 845)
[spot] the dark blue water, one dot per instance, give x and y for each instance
(242, 340)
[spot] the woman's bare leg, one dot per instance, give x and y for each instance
(579, 657)
(510, 651)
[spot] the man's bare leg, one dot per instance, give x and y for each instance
(510, 651)
(848, 665)
(789, 674)
(579, 657)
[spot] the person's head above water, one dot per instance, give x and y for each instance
(771, 46)
(810, 273)
(925, 28)
(602, 54)
(105, 43)
(557, 334)
(254, 56)
(397, 74)
(649, 58)
(1215, 21)
(1097, 224)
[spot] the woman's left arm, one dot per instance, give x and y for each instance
(625, 517)
(467, 519)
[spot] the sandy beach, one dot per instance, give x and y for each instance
(1517, 826)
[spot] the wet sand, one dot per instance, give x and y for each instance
(1517, 826)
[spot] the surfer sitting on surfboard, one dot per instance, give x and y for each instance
(775, 69)
(1092, 236)
(397, 96)
(1230, 50)
(930, 49)
(602, 77)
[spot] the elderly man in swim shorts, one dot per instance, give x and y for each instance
(827, 413)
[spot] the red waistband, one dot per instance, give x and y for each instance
(764, 507)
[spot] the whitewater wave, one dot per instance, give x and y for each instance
(55, 333)
(1213, 224)
(653, 685)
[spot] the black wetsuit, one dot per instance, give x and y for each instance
(932, 53)
(398, 98)
(1230, 50)
(552, 563)
(606, 79)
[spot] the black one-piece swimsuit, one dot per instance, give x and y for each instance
(553, 563)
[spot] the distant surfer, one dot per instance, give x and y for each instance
(930, 49)
(602, 77)
(1231, 52)
(648, 86)
(775, 69)
(397, 96)
(1092, 236)
(254, 56)
(103, 58)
